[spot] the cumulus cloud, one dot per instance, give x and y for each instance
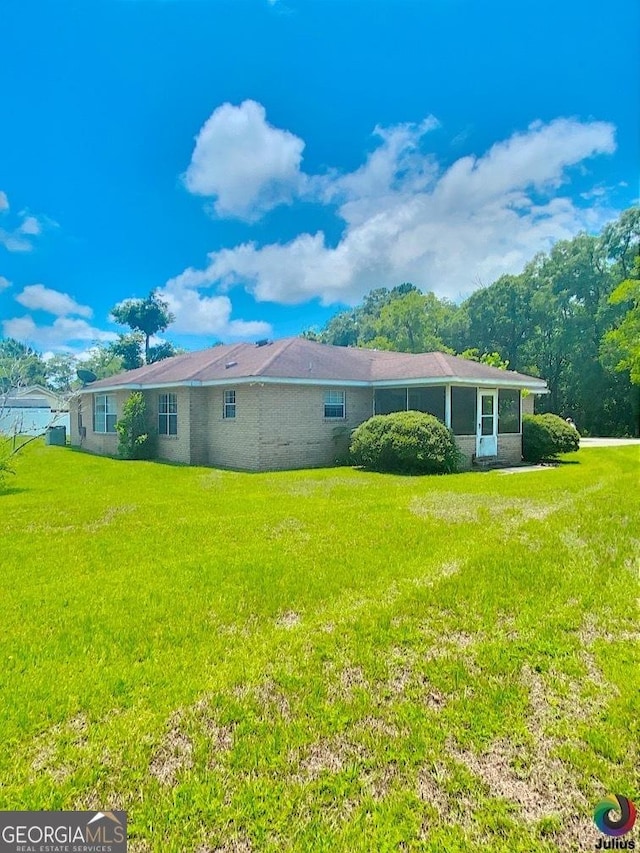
(37, 297)
(244, 163)
(409, 218)
(57, 337)
(31, 226)
(4, 283)
(196, 314)
(16, 239)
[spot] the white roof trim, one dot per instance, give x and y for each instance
(536, 387)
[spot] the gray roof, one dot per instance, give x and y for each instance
(299, 359)
(25, 403)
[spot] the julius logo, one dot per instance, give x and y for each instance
(615, 816)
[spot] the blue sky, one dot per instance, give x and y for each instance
(266, 163)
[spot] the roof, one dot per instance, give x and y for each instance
(301, 361)
(16, 402)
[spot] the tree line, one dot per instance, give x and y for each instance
(22, 365)
(572, 316)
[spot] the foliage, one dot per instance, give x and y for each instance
(61, 372)
(148, 316)
(134, 436)
(162, 351)
(621, 345)
(388, 625)
(493, 359)
(102, 361)
(557, 319)
(20, 365)
(546, 436)
(405, 442)
(128, 348)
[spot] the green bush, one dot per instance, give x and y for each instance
(545, 436)
(135, 439)
(405, 443)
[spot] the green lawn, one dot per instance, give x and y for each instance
(322, 660)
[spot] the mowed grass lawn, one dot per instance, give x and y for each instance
(324, 660)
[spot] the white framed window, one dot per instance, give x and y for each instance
(334, 408)
(104, 413)
(167, 414)
(229, 405)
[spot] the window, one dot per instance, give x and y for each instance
(463, 410)
(508, 410)
(167, 414)
(334, 404)
(429, 400)
(104, 413)
(229, 406)
(486, 414)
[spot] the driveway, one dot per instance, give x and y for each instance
(608, 442)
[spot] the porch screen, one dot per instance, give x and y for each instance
(390, 400)
(463, 410)
(429, 400)
(508, 410)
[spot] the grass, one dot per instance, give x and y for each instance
(321, 660)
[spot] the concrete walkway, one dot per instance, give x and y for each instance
(608, 442)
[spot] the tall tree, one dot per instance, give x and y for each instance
(149, 316)
(20, 365)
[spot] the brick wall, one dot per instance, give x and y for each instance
(527, 404)
(509, 448)
(292, 429)
(467, 445)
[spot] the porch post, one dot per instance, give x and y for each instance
(447, 405)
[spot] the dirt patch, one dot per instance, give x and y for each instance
(473, 508)
(287, 529)
(239, 844)
(110, 515)
(288, 620)
(330, 755)
(46, 760)
(174, 755)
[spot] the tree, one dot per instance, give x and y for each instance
(20, 365)
(128, 349)
(61, 372)
(161, 351)
(134, 437)
(621, 345)
(149, 316)
(102, 361)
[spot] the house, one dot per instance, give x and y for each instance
(292, 403)
(30, 410)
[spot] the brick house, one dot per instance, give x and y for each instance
(292, 403)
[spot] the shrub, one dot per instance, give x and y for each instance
(135, 440)
(545, 436)
(406, 443)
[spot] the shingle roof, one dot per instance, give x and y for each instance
(300, 359)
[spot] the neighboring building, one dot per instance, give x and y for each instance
(29, 411)
(292, 403)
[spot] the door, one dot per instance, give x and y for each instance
(487, 427)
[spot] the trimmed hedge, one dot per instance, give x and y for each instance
(545, 436)
(405, 443)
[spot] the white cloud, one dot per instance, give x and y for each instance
(407, 218)
(207, 315)
(4, 283)
(31, 226)
(56, 337)
(245, 163)
(37, 297)
(4, 201)
(13, 242)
